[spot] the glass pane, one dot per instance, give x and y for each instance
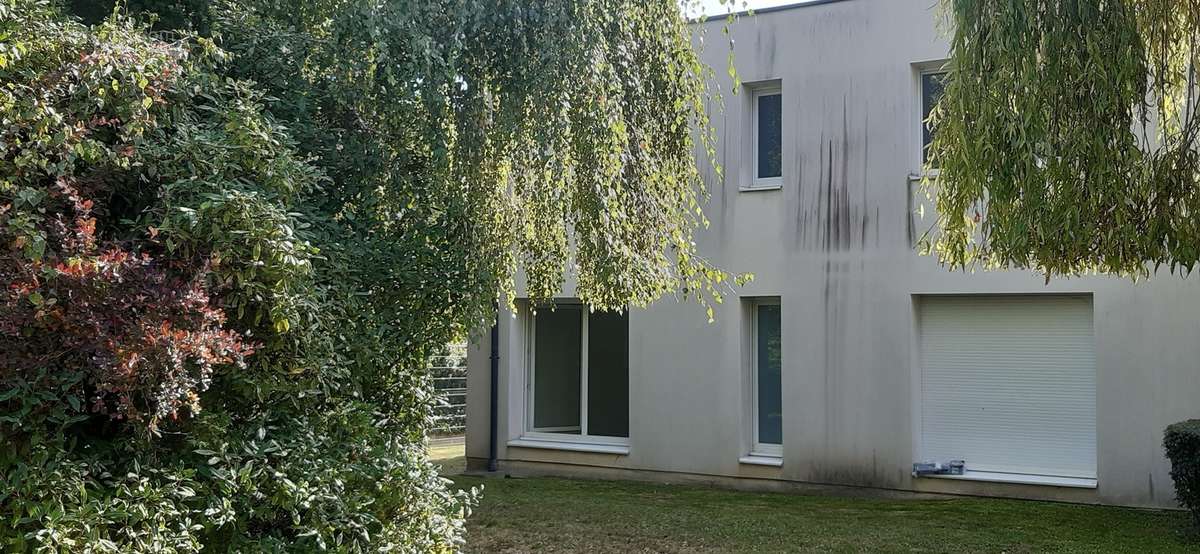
(608, 374)
(770, 390)
(556, 373)
(932, 85)
(770, 136)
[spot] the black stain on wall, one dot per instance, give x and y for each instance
(837, 215)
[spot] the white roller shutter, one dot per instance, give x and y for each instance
(1008, 383)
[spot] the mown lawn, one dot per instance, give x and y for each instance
(560, 515)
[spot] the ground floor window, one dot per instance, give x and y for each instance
(766, 369)
(1008, 384)
(579, 372)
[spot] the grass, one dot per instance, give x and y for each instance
(449, 455)
(560, 515)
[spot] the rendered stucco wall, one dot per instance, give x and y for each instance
(835, 244)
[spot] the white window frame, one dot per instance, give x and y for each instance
(920, 70)
(539, 437)
(757, 92)
(760, 449)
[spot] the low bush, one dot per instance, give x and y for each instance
(1182, 443)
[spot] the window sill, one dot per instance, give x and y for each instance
(916, 177)
(1020, 479)
(761, 460)
(573, 446)
(760, 188)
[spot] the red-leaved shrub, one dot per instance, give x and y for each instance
(143, 332)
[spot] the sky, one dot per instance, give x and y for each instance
(715, 7)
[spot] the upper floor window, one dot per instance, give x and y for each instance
(579, 374)
(768, 136)
(932, 86)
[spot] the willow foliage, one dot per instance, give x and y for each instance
(1066, 138)
(561, 135)
(585, 113)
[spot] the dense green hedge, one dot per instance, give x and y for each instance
(192, 353)
(1182, 443)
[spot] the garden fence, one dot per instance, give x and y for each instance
(449, 370)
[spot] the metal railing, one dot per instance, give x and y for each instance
(449, 370)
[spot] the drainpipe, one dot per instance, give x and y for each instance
(492, 465)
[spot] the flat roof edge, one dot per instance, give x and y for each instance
(770, 9)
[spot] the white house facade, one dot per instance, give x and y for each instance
(849, 357)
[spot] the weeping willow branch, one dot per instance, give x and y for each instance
(1066, 138)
